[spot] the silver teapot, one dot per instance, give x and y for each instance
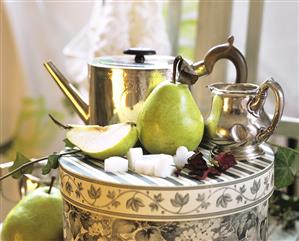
(118, 85)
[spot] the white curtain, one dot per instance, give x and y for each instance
(114, 27)
(31, 33)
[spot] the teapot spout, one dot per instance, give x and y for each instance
(69, 91)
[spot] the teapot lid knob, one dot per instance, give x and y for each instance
(139, 53)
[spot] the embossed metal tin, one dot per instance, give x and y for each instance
(130, 206)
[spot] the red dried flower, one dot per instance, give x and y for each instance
(200, 175)
(199, 169)
(224, 160)
(196, 162)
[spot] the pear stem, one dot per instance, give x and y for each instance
(176, 64)
(51, 184)
(66, 127)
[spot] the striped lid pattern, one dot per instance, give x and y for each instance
(133, 196)
(94, 170)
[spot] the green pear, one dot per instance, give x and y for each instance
(37, 217)
(156, 78)
(103, 142)
(214, 117)
(170, 118)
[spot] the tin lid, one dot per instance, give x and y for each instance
(135, 58)
(86, 185)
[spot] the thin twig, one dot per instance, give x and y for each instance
(35, 161)
(66, 127)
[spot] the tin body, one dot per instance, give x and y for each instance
(129, 206)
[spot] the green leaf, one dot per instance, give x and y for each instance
(295, 164)
(284, 165)
(67, 143)
(20, 160)
(52, 163)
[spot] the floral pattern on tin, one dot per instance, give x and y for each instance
(161, 203)
(80, 225)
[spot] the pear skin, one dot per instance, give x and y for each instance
(103, 142)
(170, 118)
(37, 217)
(214, 117)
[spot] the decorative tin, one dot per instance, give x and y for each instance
(130, 206)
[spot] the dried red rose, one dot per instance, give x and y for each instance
(224, 160)
(199, 169)
(200, 175)
(196, 162)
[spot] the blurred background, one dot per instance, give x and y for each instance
(70, 33)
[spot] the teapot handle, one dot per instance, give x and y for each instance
(257, 102)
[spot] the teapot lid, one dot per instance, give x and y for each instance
(134, 58)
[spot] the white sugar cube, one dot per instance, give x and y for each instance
(145, 166)
(116, 164)
(160, 165)
(190, 154)
(133, 155)
(181, 151)
(164, 166)
(182, 154)
(151, 157)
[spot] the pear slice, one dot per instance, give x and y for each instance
(103, 142)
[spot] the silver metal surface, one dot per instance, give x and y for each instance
(189, 73)
(237, 121)
(117, 95)
(118, 87)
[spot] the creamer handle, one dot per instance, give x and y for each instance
(257, 102)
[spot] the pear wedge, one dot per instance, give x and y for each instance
(103, 142)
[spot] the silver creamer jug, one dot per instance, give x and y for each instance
(238, 121)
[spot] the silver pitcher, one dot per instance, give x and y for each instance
(238, 121)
